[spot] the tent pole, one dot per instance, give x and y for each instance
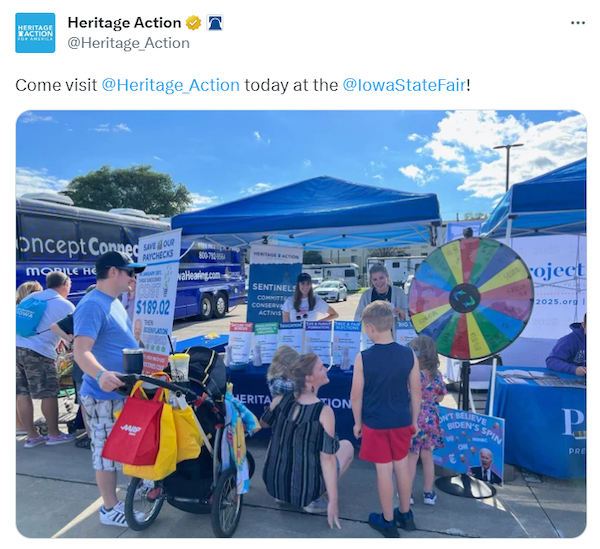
(508, 230)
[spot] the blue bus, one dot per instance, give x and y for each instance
(54, 236)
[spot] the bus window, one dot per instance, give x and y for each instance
(100, 238)
(48, 238)
(349, 273)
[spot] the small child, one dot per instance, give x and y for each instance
(385, 415)
(429, 436)
(279, 379)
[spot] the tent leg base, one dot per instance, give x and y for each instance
(465, 486)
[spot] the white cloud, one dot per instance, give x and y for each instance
(199, 202)
(258, 188)
(378, 176)
(258, 137)
(307, 162)
(31, 118)
(546, 146)
(121, 128)
(416, 174)
(464, 144)
(386, 148)
(29, 180)
(157, 158)
(415, 136)
(116, 128)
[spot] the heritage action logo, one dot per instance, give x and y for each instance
(35, 33)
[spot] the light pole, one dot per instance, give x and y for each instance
(508, 147)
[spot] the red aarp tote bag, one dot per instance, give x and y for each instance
(135, 437)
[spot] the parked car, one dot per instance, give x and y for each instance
(332, 290)
(316, 281)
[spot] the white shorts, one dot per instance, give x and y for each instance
(100, 415)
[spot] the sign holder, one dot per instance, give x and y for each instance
(463, 485)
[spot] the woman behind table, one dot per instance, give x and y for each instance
(305, 458)
(304, 304)
(25, 289)
(383, 290)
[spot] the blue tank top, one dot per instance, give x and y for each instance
(386, 400)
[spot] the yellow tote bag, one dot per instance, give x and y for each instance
(188, 434)
(166, 460)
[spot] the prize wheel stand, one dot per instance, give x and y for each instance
(473, 297)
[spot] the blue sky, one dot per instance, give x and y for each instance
(223, 156)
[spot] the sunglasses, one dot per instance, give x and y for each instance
(298, 317)
(130, 272)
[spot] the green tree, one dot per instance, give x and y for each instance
(476, 216)
(312, 257)
(387, 252)
(138, 187)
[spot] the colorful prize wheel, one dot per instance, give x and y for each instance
(472, 296)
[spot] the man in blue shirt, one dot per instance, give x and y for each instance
(568, 354)
(102, 331)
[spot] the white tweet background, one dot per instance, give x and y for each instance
(516, 54)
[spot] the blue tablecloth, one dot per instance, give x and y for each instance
(250, 387)
(217, 344)
(545, 426)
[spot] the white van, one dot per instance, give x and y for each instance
(399, 268)
(348, 273)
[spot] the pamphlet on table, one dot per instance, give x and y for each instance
(265, 342)
(346, 343)
(292, 335)
(317, 339)
(240, 342)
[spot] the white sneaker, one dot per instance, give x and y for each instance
(116, 516)
(429, 498)
(317, 507)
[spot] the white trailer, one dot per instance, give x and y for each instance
(399, 268)
(347, 272)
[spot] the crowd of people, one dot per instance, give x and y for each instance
(396, 391)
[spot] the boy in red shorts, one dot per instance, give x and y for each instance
(386, 414)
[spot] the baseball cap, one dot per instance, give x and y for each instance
(304, 277)
(118, 260)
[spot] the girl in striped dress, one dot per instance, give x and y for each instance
(305, 458)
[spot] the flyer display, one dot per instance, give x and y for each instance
(346, 343)
(240, 342)
(155, 297)
(317, 339)
(474, 444)
(292, 335)
(405, 332)
(265, 342)
(365, 342)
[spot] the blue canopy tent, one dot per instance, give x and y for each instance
(318, 214)
(552, 203)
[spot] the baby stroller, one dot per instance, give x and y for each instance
(198, 485)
